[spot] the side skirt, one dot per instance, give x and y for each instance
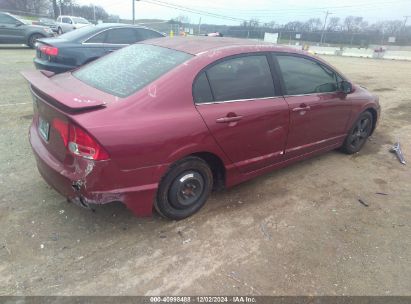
(237, 179)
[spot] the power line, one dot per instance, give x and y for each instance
(267, 14)
(305, 9)
(194, 11)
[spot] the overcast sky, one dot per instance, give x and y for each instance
(280, 11)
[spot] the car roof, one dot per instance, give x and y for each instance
(6, 13)
(106, 25)
(71, 16)
(197, 45)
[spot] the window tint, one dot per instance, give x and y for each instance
(304, 76)
(121, 36)
(129, 69)
(201, 89)
(241, 78)
(5, 19)
(144, 34)
(99, 38)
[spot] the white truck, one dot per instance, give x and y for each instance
(68, 23)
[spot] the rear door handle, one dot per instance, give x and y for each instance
(228, 119)
(306, 108)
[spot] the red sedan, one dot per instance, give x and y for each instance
(163, 122)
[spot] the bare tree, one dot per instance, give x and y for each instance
(393, 26)
(271, 24)
(389, 27)
(294, 26)
(352, 24)
(312, 25)
(333, 24)
(36, 7)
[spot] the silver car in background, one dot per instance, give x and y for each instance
(68, 23)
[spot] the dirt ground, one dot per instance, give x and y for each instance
(296, 231)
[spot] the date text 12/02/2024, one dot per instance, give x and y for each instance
(203, 299)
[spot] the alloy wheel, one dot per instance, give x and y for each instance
(360, 133)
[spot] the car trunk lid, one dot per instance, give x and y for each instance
(54, 107)
(59, 97)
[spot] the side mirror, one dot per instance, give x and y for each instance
(346, 87)
(18, 23)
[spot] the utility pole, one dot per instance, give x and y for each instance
(134, 13)
(199, 26)
(325, 22)
(94, 13)
(405, 21)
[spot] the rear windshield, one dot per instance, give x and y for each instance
(83, 32)
(129, 69)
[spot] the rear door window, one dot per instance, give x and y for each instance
(201, 89)
(144, 34)
(245, 77)
(98, 38)
(304, 76)
(121, 36)
(129, 69)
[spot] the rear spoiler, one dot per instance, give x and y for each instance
(46, 89)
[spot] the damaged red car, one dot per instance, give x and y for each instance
(161, 123)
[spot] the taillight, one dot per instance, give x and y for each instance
(49, 50)
(61, 127)
(78, 141)
(82, 144)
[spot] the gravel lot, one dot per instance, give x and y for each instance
(296, 231)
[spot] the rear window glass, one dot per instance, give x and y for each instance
(128, 70)
(79, 33)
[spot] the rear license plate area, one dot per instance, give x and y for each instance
(44, 129)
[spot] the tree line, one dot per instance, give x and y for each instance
(53, 8)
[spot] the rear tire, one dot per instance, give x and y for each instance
(32, 40)
(184, 189)
(358, 134)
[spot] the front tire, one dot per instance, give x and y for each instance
(184, 189)
(32, 40)
(358, 134)
(59, 31)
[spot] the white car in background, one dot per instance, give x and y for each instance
(68, 23)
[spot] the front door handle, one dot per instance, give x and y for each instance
(301, 108)
(229, 119)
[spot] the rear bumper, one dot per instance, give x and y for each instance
(52, 66)
(93, 182)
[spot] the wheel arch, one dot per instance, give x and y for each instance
(215, 162)
(374, 117)
(29, 35)
(217, 168)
